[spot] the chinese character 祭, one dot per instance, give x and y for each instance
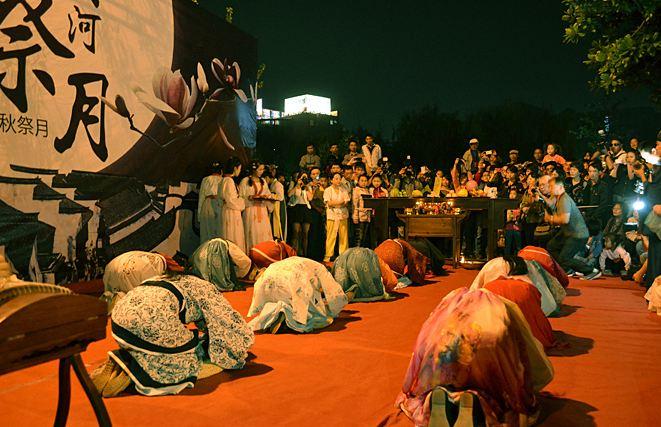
(24, 33)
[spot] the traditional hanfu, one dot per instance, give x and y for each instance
(222, 263)
(552, 293)
(266, 253)
(231, 224)
(129, 269)
(302, 289)
(357, 270)
(544, 258)
(403, 259)
(653, 297)
(156, 349)
(476, 342)
(279, 211)
(256, 221)
(209, 207)
(528, 298)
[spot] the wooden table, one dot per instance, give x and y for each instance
(435, 226)
(385, 209)
(39, 327)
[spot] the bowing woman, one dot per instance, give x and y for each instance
(256, 194)
(231, 224)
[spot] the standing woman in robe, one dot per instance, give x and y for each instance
(256, 194)
(231, 225)
(279, 214)
(209, 204)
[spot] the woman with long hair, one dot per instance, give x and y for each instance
(256, 194)
(300, 195)
(231, 224)
(209, 204)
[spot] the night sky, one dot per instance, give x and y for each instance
(376, 60)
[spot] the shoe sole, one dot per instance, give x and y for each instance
(438, 417)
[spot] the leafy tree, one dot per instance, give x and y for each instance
(625, 41)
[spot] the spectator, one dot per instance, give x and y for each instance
(333, 156)
(614, 259)
(514, 158)
(575, 183)
(615, 224)
(634, 144)
(362, 216)
(553, 155)
(573, 234)
(595, 245)
(615, 155)
(309, 160)
(371, 154)
(471, 157)
(300, 193)
(353, 155)
(597, 194)
(538, 157)
(337, 215)
(377, 191)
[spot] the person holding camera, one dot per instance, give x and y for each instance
(615, 156)
(471, 157)
(300, 195)
(573, 234)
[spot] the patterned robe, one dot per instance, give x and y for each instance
(156, 349)
(474, 341)
(358, 268)
(129, 269)
(300, 288)
(221, 262)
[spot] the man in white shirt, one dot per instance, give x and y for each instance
(371, 154)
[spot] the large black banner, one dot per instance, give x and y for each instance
(110, 113)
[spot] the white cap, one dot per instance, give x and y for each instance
(473, 141)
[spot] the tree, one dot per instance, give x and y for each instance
(625, 41)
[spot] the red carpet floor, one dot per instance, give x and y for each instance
(350, 373)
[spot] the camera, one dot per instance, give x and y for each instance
(305, 180)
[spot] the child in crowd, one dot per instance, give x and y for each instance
(361, 216)
(377, 190)
(614, 259)
(595, 243)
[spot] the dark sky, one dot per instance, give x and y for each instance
(378, 59)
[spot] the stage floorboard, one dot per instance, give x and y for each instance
(350, 373)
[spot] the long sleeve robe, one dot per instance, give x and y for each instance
(231, 225)
(209, 208)
(256, 221)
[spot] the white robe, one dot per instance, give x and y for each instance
(256, 221)
(498, 267)
(208, 209)
(653, 297)
(231, 224)
(129, 269)
(294, 287)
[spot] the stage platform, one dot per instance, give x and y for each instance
(350, 373)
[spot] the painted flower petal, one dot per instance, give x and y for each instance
(156, 106)
(241, 94)
(122, 109)
(223, 137)
(202, 83)
(216, 93)
(218, 70)
(237, 70)
(185, 124)
(160, 81)
(109, 104)
(177, 93)
(192, 99)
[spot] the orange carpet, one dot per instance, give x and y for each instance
(350, 373)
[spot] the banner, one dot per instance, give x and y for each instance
(110, 112)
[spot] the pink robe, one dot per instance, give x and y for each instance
(256, 221)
